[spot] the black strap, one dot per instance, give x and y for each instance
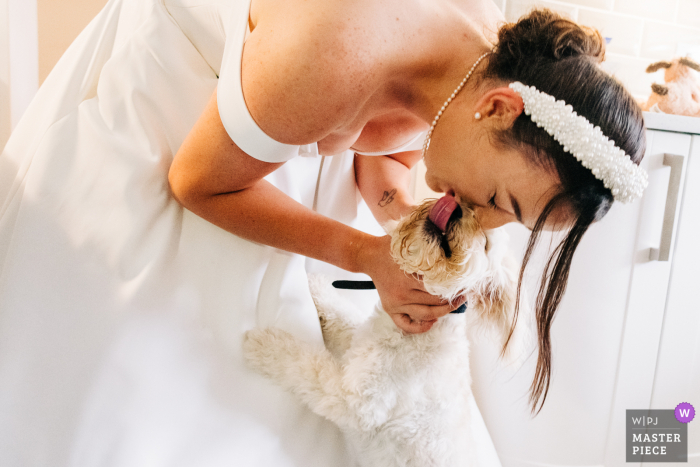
(354, 285)
(369, 285)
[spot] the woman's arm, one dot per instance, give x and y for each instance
(216, 180)
(384, 183)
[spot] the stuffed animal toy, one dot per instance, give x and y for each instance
(403, 400)
(680, 94)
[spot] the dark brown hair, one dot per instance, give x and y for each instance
(562, 59)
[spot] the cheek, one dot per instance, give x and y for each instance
(491, 219)
(470, 191)
(432, 176)
(432, 182)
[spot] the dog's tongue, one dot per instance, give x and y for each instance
(442, 210)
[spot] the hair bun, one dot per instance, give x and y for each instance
(544, 34)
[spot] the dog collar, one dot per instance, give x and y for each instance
(369, 285)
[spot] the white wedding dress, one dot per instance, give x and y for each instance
(121, 314)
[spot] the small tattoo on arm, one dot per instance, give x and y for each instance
(387, 198)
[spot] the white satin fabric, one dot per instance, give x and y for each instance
(121, 314)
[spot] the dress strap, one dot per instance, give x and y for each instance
(233, 111)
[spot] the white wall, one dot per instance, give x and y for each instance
(60, 22)
(33, 36)
(5, 120)
(18, 61)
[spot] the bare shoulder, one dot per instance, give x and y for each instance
(309, 65)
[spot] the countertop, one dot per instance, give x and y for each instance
(675, 123)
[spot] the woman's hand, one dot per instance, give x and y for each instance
(403, 296)
(383, 182)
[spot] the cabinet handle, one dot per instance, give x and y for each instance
(674, 185)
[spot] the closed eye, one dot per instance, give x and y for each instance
(492, 202)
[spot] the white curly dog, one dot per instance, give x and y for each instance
(402, 400)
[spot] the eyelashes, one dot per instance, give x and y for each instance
(492, 202)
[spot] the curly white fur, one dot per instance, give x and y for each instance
(401, 400)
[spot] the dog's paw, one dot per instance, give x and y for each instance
(254, 346)
(262, 348)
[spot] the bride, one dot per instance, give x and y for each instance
(287, 130)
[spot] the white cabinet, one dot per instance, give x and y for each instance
(627, 333)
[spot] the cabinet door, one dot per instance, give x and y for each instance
(604, 338)
(677, 377)
(637, 360)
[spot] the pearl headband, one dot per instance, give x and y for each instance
(587, 143)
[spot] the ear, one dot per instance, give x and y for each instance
(500, 107)
(659, 89)
(657, 66)
(689, 63)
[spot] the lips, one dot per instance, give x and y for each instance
(442, 210)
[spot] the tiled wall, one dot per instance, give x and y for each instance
(640, 31)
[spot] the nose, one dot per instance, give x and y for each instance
(491, 218)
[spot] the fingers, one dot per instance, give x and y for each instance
(421, 318)
(403, 296)
(431, 312)
(409, 326)
(419, 295)
(459, 301)
(424, 298)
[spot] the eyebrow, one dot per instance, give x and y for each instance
(518, 213)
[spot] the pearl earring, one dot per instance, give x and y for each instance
(477, 116)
